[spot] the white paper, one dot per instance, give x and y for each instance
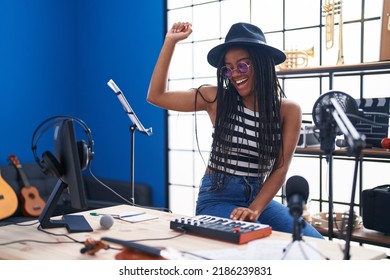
(265, 249)
(128, 214)
(139, 218)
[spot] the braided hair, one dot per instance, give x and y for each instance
(267, 103)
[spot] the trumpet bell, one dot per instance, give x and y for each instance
(296, 58)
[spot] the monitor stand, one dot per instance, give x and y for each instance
(73, 223)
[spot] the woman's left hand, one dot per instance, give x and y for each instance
(244, 214)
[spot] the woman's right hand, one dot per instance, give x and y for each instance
(158, 94)
(179, 31)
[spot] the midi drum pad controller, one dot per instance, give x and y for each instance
(222, 229)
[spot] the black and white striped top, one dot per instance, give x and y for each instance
(243, 159)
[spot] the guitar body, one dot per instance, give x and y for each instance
(8, 200)
(32, 202)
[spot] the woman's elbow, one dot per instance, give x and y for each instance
(151, 98)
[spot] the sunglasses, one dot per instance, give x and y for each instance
(242, 68)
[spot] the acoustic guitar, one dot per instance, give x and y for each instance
(32, 202)
(8, 199)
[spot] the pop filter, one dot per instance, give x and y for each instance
(321, 109)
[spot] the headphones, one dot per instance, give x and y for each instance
(48, 162)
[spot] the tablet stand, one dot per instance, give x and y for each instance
(136, 125)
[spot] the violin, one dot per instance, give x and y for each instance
(93, 246)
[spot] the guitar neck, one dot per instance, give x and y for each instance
(23, 176)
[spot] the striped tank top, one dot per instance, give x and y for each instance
(243, 157)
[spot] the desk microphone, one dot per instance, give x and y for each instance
(297, 192)
(106, 221)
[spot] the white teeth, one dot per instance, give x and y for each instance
(241, 81)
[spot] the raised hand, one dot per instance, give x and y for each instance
(179, 31)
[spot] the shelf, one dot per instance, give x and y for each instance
(362, 67)
(371, 153)
(363, 235)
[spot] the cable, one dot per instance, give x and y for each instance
(124, 199)
(59, 234)
(72, 240)
(45, 242)
(162, 238)
(35, 241)
(378, 114)
(368, 121)
(19, 224)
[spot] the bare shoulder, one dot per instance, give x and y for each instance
(290, 108)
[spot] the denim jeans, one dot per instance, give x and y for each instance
(229, 192)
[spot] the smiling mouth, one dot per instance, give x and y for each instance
(241, 82)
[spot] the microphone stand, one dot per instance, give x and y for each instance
(297, 238)
(136, 125)
(327, 140)
(356, 142)
(132, 145)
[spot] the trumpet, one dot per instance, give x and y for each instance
(330, 10)
(296, 58)
(340, 58)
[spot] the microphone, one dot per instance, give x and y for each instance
(106, 221)
(330, 116)
(297, 192)
(324, 107)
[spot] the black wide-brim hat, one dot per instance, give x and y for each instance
(244, 34)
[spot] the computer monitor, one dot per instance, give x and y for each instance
(67, 155)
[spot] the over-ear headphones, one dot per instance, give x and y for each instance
(48, 162)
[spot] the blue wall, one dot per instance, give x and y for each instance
(56, 58)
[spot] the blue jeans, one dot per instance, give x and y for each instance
(229, 192)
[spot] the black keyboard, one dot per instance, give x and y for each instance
(222, 229)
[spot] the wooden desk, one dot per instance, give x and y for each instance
(153, 229)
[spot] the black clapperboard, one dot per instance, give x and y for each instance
(376, 111)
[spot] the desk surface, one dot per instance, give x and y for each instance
(30, 244)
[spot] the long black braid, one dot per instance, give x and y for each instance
(267, 102)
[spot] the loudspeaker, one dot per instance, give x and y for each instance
(48, 162)
(376, 208)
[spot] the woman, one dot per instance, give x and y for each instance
(255, 128)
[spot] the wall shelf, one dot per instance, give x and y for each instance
(355, 68)
(374, 155)
(380, 67)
